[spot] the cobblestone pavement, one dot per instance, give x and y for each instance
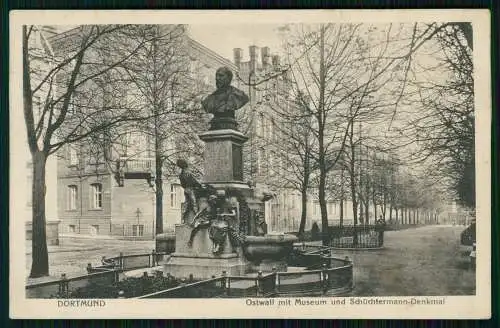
(414, 262)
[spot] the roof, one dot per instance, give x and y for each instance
(193, 44)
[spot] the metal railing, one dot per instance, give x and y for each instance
(223, 287)
(65, 286)
(109, 272)
(136, 165)
(359, 236)
(130, 262)
(323, 274)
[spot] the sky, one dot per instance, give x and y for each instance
(223, 38)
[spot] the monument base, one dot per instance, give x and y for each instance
(267, 266)
(204, 268)
(198, 259)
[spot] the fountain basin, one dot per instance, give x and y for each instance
(268, 247)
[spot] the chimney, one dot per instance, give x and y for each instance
(253, 57)
(265, 54)
(237, 55)
(276, 60)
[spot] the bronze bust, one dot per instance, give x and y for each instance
(224, 101)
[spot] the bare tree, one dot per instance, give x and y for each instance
(295, 147)
(164, 86)
(440, 101)
(75, 63)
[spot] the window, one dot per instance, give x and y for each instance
(138, 230)
(71, 106)
(96, 195)
(72, 228)
(73, 156)
(72, 197)
(173, 196)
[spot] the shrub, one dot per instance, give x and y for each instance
(132, 287)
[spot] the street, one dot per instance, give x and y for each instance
(74, 252)
(419, 261)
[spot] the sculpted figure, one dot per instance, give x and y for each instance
(221, 226)
(204, 217)
(191, 187)
(224, 101)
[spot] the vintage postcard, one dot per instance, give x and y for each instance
(250, 164)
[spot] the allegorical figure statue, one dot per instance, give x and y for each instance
(191, 186)
(224, 101)
(204, 217)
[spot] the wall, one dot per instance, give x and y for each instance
(133, 203)
(84, 215)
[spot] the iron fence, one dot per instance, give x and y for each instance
(65, 286)
(359, 236)
(139, 230)
(333, 277)
(223, 287)
(215, 287)
(108, 272)
(321, 274)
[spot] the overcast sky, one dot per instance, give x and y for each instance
(223, 38)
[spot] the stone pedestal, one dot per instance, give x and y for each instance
(198, 259)
(223, 156)
(202, 245)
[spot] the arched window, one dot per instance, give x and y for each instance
(96, 195)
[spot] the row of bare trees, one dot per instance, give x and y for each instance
(357, 95)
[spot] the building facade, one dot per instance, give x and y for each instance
(114, 194)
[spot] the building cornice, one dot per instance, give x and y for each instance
(212, 54)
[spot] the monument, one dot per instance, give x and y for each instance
(222, 212)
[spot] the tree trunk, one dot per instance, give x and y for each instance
(341, 223)
(366, 219)
(303, 215)
(322, 205)
(321, 117)
(40, 258)
(341, 210)
(159, 203)
(158, 182)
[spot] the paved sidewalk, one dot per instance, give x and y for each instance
(415, 262)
